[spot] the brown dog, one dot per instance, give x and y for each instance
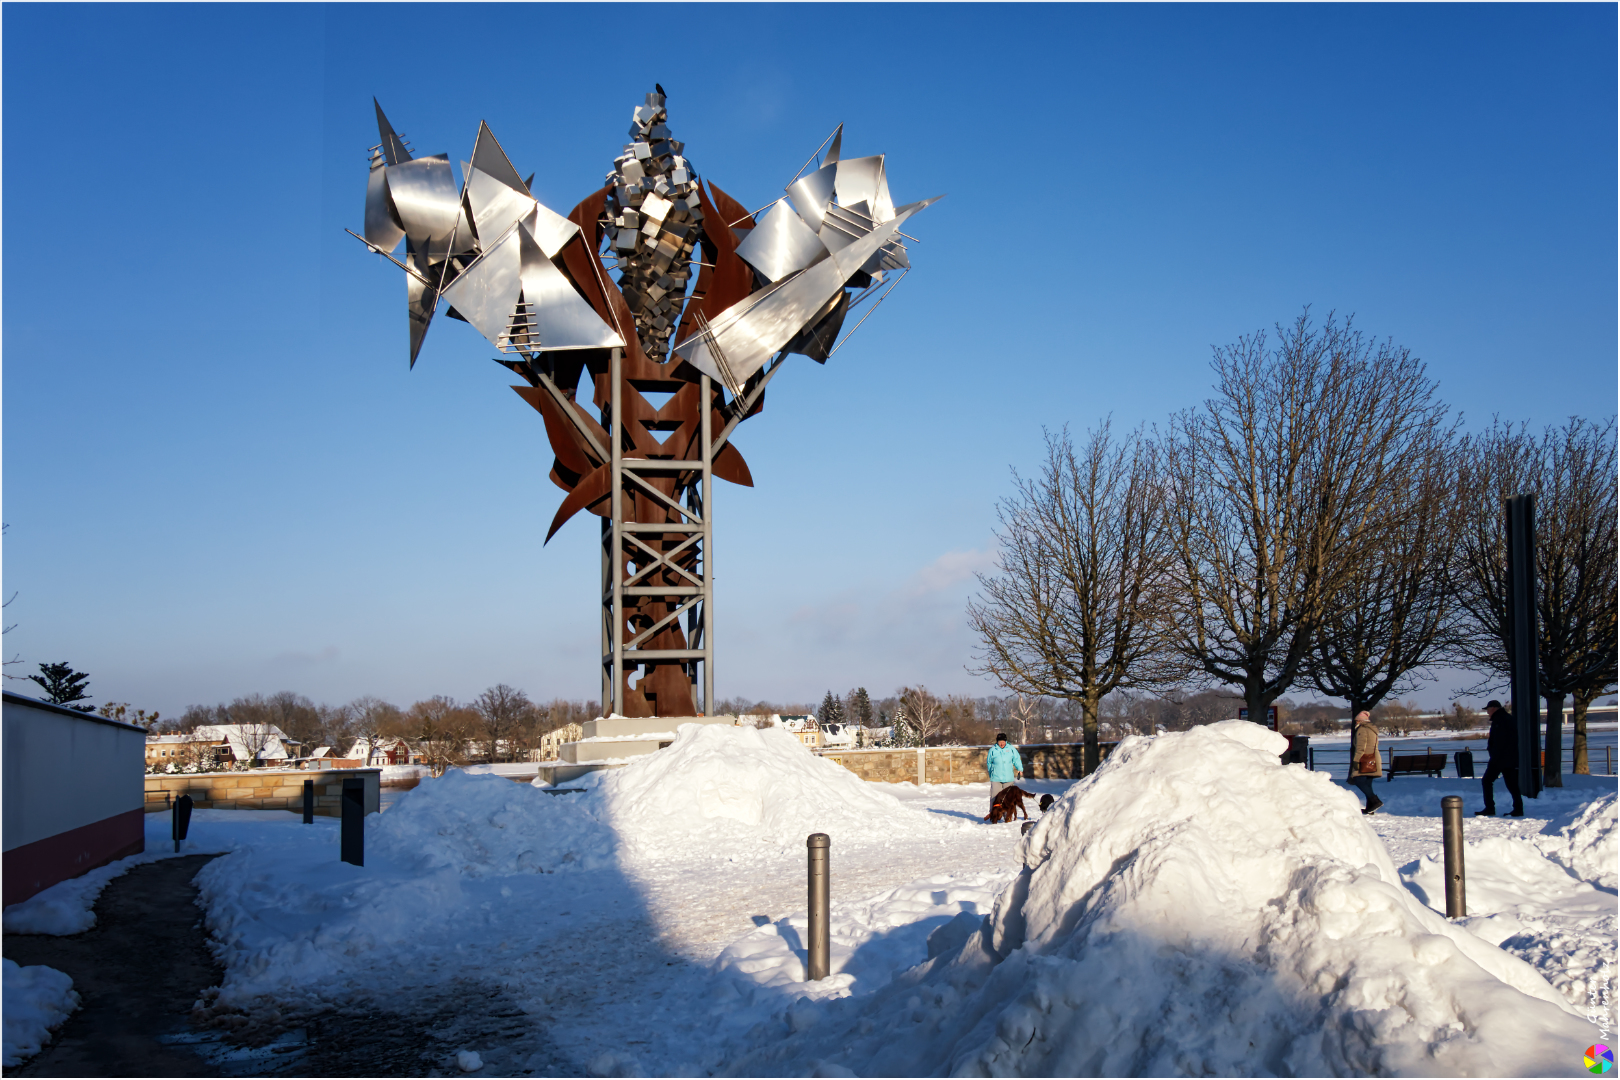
(1008, 804)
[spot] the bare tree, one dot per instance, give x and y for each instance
(442, 729)
(371, 718)
(923, 713)
(501, 709)
(1280, 482)
(1024, 716)
(1076, 607)
(1572, 472)
(1397, 613)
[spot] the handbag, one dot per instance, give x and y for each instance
(1368, 764)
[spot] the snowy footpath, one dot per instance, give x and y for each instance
(1193, 908)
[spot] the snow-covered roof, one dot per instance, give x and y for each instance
(247, 740)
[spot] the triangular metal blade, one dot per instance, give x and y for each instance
(562, 318)
(488, 156)
(810, 194)
(832, 151)
(420, 300)
(393, 150)
(486, 292)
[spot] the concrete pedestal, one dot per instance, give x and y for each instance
(609, 741)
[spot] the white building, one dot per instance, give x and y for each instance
(250, 743)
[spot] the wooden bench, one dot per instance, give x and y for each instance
(1417, 764)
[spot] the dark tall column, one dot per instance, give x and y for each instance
(1525, 680)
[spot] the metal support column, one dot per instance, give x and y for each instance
(668, 568)
(706, 435)
(616, 631)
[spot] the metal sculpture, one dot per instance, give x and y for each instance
(781, 280)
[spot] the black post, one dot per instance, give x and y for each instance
(309, 802)
(180, 823)
(354, 822)
(1524, 680)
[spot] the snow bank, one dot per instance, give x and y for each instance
(718, 785)
(68, 907)
(37, 999)
(871, 939)
(1590, 845)
(1197, 908)
(1527, 896)
(446, 864)
(484, 825)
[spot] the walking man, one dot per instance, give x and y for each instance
(1004, 766)
(1365, 764)
(1503, 746)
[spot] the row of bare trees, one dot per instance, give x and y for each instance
(1321, 520)
(500, 724)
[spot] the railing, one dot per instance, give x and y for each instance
(1601, 760)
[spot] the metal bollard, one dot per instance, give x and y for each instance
(820, 947)
(353, 843)
(309, 802)
(181, 821)
(1451, 822)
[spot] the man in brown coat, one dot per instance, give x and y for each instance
(1365, 764)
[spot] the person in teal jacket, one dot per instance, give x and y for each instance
(1004, 764)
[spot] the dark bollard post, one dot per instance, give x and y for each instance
(1451, 820)
(354, 822)
(820, 947)
(309, 802)
(181, 821)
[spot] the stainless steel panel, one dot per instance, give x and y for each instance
(488, 156)
(420, 301)
(393, 147)
(832, 151)
(748, 334)
(864, 180)
(486, 293)
(381, 228)
(425, 198)
(562, 317)
(780, 244)
(810, 194)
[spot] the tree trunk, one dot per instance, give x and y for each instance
(1088, 711)
(1552, 765)
(1259, 707)
(1583, 766)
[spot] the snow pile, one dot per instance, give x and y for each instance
(1590, 846)
(68, 907)
(871, 939)
(1531, 905)
(484, 825)
(718, 785)
(1197, 908)
(37, 999)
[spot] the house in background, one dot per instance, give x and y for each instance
(74, 794)
(803, 726)
(550, 748)
(386, 751)
(247, 745)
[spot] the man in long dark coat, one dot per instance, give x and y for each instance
(1503, 747)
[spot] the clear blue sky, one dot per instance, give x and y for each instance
(220, 476)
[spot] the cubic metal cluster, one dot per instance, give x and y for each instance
(704, 301)
(656, 221)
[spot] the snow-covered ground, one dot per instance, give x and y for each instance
(1190, 899)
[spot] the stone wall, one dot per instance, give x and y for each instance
(260, 789)
(960, 764)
